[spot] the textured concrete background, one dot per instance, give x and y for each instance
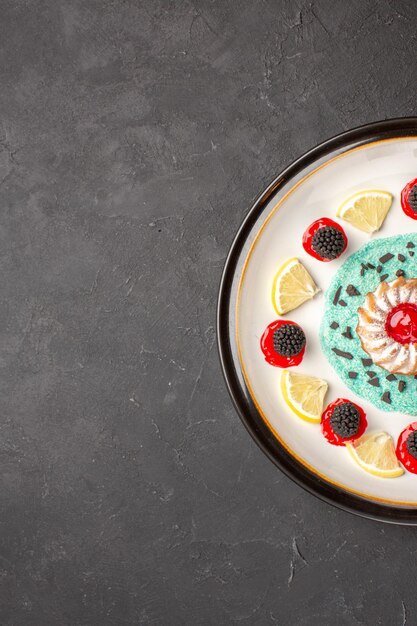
(134, 135)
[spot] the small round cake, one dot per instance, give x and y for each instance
(369, 327)
(387, 326)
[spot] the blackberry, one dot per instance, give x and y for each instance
(412, 198)
(328, 242)
(345, 420)
(411, 444)
(289, 340)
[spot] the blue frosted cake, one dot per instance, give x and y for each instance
(369, 328)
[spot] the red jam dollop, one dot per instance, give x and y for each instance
(312, 230)
(271, 355)
(405, 204)
(403, 455)
(328, 431)
(401, 323)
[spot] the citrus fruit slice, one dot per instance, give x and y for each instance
(375, 453)
(292, 286)
(366, 210)
(304, 394)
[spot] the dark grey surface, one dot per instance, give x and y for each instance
(134, 136)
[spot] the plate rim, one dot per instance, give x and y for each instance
(226, 327)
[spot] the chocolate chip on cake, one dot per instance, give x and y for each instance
(386, 397)
(387, 257)
(348, 333)
(352, 291)
(337, 295)
(345, 355)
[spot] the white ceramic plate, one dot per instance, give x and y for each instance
(379, 156)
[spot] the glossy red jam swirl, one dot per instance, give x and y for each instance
(401, 323)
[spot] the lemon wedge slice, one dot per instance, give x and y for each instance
(304, 394)
(375, 453)
(292, 286)
(366, 210)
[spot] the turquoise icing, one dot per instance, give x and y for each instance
(350, 274)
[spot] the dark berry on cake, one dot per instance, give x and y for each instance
(325, 240)
(289, 340)
(409, 199)
(411, 444)
(412, 198)
(343, 421)
(328, 242)
(406, 449)
(283, 343)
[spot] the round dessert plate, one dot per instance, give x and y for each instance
(382, 156)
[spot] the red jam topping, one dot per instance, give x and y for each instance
(408, 199)
(401, 324)
(327, 246)
(327, 429)
(292, 351)
(403, 455)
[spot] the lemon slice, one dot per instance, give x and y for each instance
(375, 453)
(304, 394)
(292, 286)
(366, 209)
